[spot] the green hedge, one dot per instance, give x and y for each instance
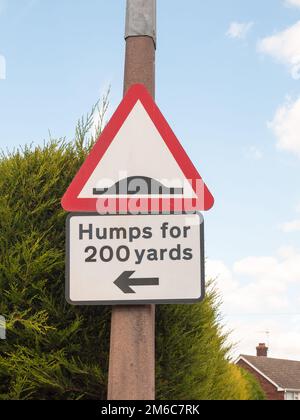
(55, 351)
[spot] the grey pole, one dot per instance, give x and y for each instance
(141, 18)
(132, 346)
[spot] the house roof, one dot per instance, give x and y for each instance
(284, 373)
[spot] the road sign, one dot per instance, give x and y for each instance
(135, 259)
(137, 165)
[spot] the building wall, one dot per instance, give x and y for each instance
(270, 390)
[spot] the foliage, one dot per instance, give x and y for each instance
(255, 391)
(192, 360)
(55, 351)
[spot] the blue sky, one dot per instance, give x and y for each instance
(221, 78)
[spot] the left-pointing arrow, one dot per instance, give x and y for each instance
(125, 282)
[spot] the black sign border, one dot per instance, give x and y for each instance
(134, 302)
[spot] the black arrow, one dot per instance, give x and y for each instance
(125, 282)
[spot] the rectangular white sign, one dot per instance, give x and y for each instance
(115, 260)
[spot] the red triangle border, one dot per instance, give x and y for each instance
(70, 201)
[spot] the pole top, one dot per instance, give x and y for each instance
(141, 18)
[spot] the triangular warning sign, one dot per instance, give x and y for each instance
(137, 165)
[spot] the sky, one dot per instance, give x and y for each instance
(228, 82)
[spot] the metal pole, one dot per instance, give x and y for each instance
(140, 35)
(132, 347)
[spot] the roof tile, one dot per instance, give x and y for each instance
(285, 373)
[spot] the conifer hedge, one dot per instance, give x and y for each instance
(55, 351)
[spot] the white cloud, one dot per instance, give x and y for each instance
(255, 284)
(280, 334)
(284, 47)
(286, 126)
(295, 3)
(259, 294)
(239, 30)
(293, 226)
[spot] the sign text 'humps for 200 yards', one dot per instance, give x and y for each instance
(141, 259)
